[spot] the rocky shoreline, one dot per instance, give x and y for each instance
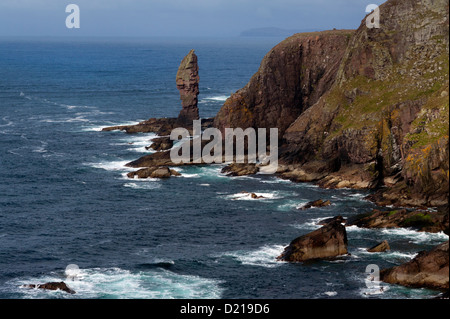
(350, 117)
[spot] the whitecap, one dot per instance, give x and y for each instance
(190, 175)
(7, 120)
(290, 205)
(415, 236)
(111, 165)
(99, 128)
(145, 186)
(115, 283)
(330, 293)
(276, 181)
(67, 120)
(248, 196)
(266, 256)
(311, 224)
(217, 98)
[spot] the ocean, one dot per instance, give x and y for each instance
(65, 198)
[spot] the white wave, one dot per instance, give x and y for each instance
(205, 185)
(210, 171)
(389, 255)
(145, 186)
(330, 293)
(71, 107)
(190, 175)
(40, 149)
(116, 283)
(218, 98)
(248, 196)
(139, 142)
(415, 236)
(276, 180)
(376, 288)
(7, 120)
(265, 256)
(95, 128)
(99, 128)
(403, 233)
(69, 120)
(311, 224)
(290, 205)
(111, 165)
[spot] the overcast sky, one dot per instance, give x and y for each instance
(176, 17)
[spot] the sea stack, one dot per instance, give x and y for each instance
(187, 83)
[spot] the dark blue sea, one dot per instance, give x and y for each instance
(65, 198)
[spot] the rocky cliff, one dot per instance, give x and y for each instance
(384, 122)
(291, 78)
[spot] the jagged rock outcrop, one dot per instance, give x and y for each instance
(426, 270)
(327, 242)
(385, 120)
(236, 169)
(188, 84)
(291, 78)
(432, 222)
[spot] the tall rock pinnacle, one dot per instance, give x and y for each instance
(187, 84)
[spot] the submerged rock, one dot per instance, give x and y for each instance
(426, 270)
(327, 242)
(154, 172)
(52, 286)
(382, 247)
(316, 203)
(253, 195)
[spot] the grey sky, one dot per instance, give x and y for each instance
(176, 17)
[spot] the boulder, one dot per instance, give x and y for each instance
(154, 172)
(382, 247)
(52, 286)
(327, 242)
(316, 203)
(426, 270)
(162, 172)
(161, 144)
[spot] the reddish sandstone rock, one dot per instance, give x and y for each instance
(188, 85)
(291, 78)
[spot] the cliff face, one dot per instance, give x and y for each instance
(291, 78)
(384, 122)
